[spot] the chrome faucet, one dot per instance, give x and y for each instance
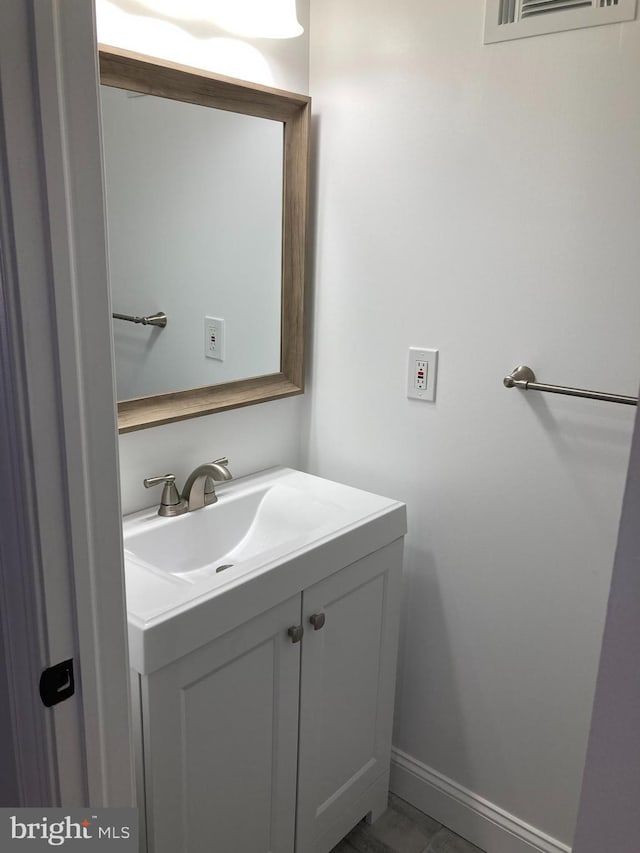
(199, 490)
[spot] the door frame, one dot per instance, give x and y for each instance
(609, 818)
(61, 564)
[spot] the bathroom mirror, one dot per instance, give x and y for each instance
(206, 189)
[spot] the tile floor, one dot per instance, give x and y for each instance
(403, 829)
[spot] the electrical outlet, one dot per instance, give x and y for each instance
(214, 338)
(422, 373)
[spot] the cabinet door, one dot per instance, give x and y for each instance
(220, 742)
(347, 693)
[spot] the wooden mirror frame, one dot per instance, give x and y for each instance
(147, 75)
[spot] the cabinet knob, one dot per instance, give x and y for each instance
(295, 632)
(317, 620)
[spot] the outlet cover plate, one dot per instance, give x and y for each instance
(214, 338)
(422, 373)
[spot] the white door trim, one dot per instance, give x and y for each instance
(21, 599)
(59, 374)
(609, 818)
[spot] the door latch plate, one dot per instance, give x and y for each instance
(57, 683)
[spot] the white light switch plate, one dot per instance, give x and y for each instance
(422, 373)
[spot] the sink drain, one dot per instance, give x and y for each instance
(223, 567)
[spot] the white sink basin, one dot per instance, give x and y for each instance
(248, 520)
(269, 535)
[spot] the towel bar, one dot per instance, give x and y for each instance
(159, 319)
(523, 377)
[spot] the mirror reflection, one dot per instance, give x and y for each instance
(194, 212)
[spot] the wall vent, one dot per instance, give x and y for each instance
(515, 19)
(547, 7)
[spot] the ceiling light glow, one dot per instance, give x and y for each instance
(156, 37)
(274, 19)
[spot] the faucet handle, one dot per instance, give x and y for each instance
(170, 503)
(222, 461)
(154, 481)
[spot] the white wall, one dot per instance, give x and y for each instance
(484, 201)
(254, 437)
(130, 24)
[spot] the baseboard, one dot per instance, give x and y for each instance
(484, 824)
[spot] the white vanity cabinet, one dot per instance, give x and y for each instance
(258, 742)
(346, 698)
(220, 742)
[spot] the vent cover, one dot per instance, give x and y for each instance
(514, 19)
(545, 7)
